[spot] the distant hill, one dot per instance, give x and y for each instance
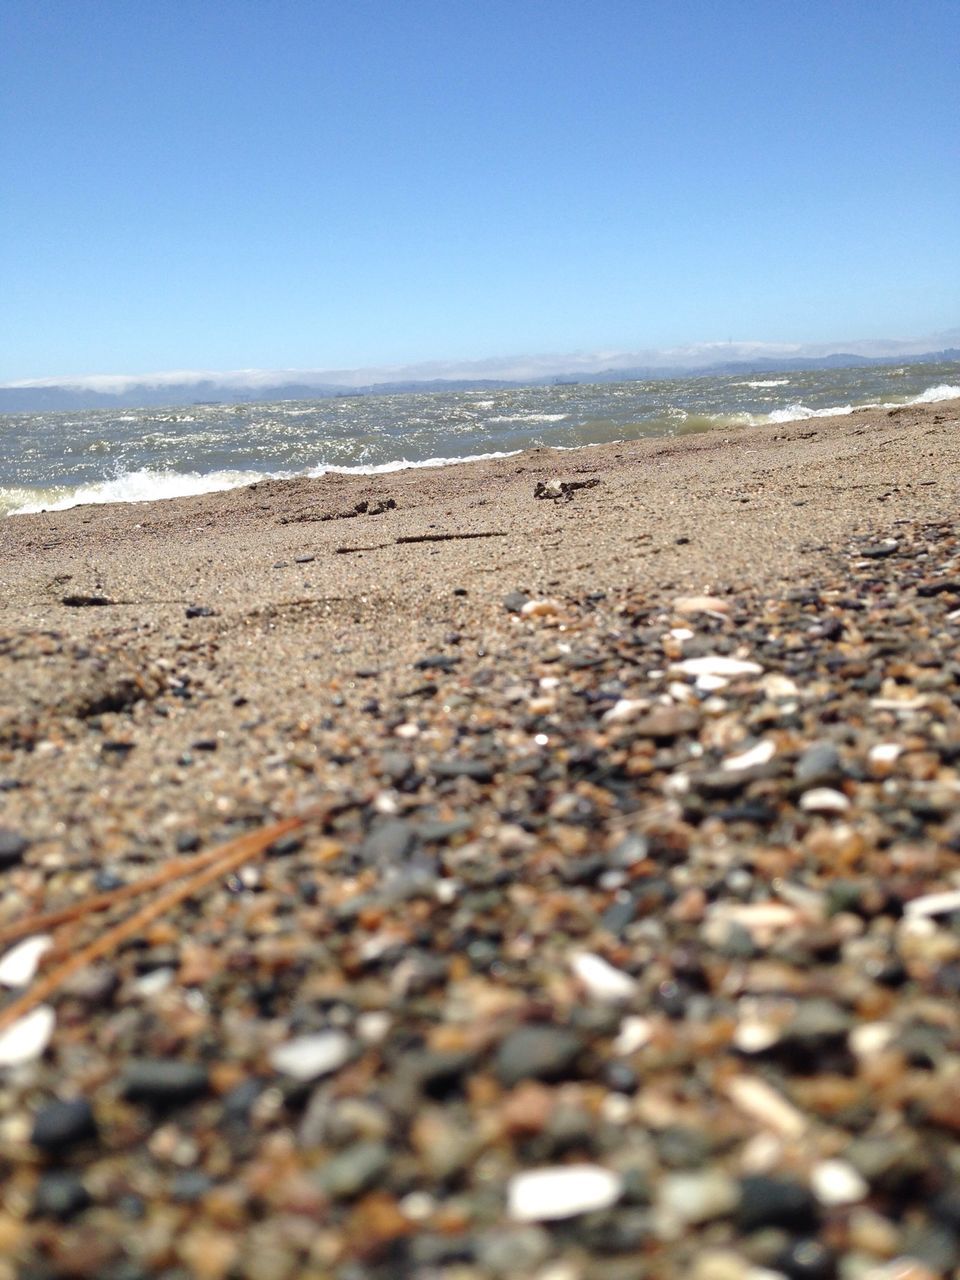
(144, 395)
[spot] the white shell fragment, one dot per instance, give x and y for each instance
(634, 1033)
(547, 1195)
(824, 800)
(698, 1197)
(718, 664)
(28, 1037)
(759, 1100)
(625, 709)
(601, 980)
(934, 904)
(834, 1182)
(700, 604)
(884, 752)
(308, 1057)
(19, 966)
(762, 753)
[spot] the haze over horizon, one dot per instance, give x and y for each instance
(508, 368)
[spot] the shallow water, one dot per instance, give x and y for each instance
(52, 460)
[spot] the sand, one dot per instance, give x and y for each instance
(173, 673)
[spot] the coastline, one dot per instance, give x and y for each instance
(174, 672)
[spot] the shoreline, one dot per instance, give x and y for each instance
(502, 691)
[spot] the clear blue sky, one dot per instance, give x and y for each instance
(191, 184)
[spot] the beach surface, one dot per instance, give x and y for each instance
(639, 776)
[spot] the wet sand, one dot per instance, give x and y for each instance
(490, 682)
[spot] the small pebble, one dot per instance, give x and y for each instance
(19, 966)
(551, 1194)
(312, 1056)
(28, 1037)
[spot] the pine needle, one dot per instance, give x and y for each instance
(206, 867)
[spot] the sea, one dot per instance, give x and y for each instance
(55, 460)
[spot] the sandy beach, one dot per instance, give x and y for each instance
(640, 774)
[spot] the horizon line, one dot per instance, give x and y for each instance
(504, 368)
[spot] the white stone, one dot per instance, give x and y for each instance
(540, 609)
(834, 1182)
(152, 983)
(777, 686)
(634, 1033)
(754, 1035)
(28, 1037)
(824, 800)
(934, 904)
(547, 1195)
(19, 966)
(718, 664)
(308, 1057)
(870, 1037)
(884, 752)
(625, 709)
(698, 1197)
(372, 1027)
(681, 633)
(762, 753)
(759, 1100)
(601, 980)
(700, 604)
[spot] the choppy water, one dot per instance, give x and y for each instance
(51, 460)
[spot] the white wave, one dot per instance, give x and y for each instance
(151, 486)
(800, 412)
(933, 394)
(404, 464)
(773, 382)
(530, 417)
(139, 486)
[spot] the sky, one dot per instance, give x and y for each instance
(322, 184)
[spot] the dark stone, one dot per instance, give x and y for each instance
(106, 880)
(61, 1125)
(60, 1194)
(12, 847)
(818, 766)
(436, 661)
(200, 611)
(355, 1170)
(190, 1185)
(775, 1202)
(515, 601)
(538, 1053)
(187, 842)
(806, 1260)
(304, 559)
(881, 552)
(389, 841)
(478, 770)
(164, 1081)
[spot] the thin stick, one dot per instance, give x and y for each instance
(232, 855)
(112, 897)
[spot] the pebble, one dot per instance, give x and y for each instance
(718, 665)
(19, 965)
(309, 1057)
(60, 1194)
(835, 1182)
(601, 980)
(355, 1170)
(28, 1037)
(824, 800)
(164, 1081)
(537, 1053)
(13, 846)
(689, 605)
(699, 1196)
(934, 904)
(61, 1125)
(552, 1194)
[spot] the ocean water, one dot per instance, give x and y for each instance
(55, 460)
